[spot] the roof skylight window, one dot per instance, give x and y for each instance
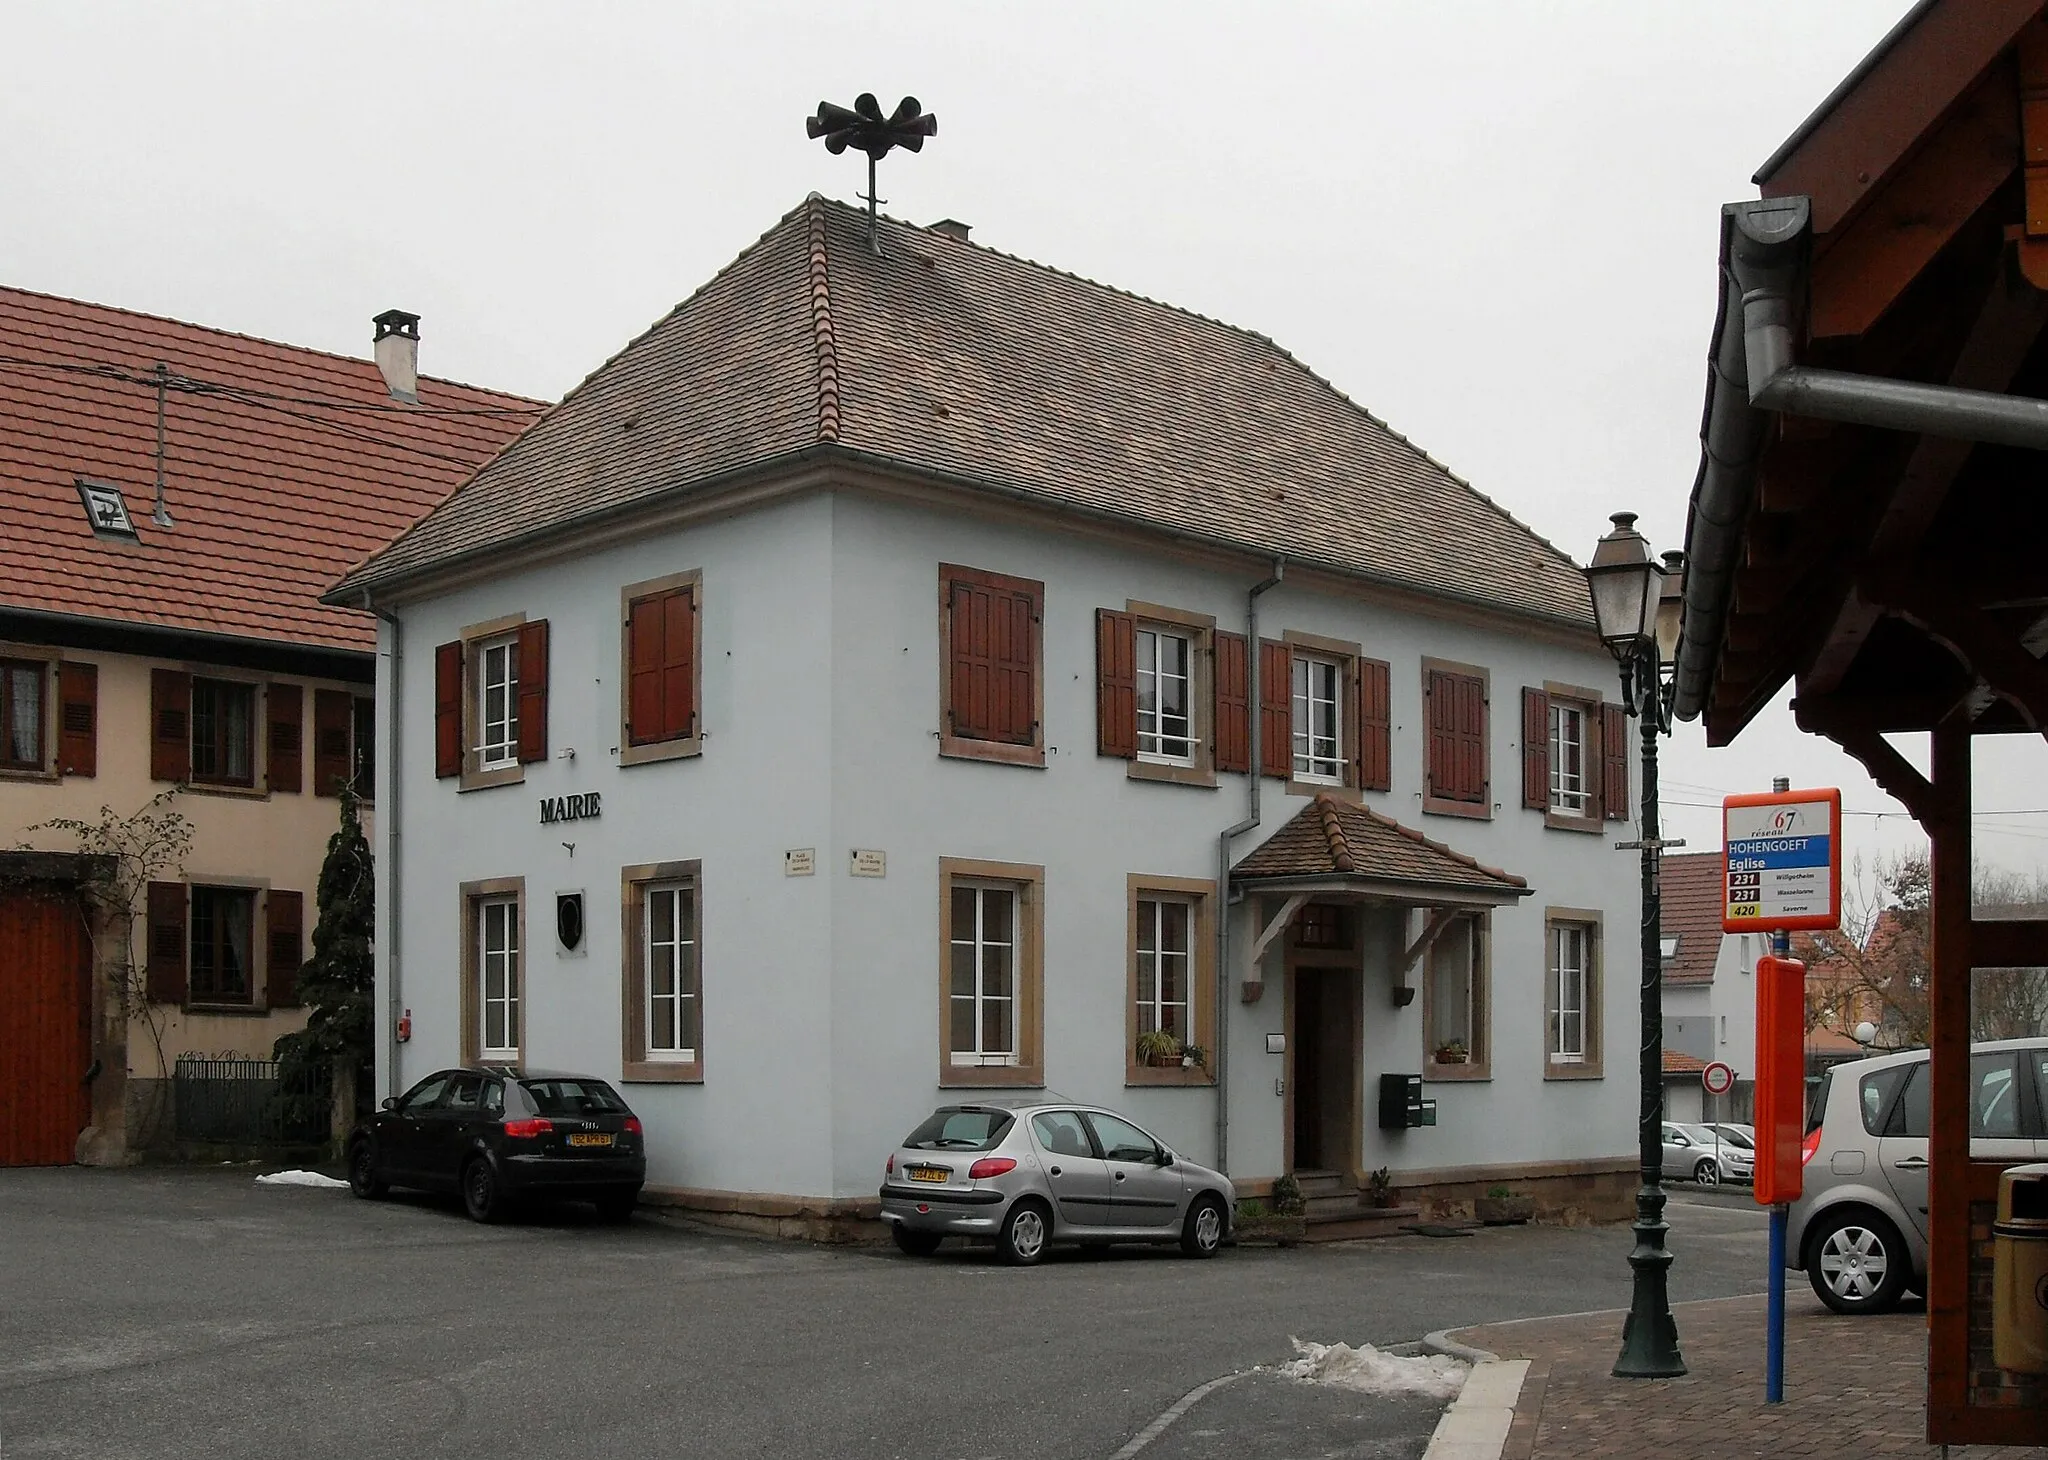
(106, 510)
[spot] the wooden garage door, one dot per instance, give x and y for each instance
(45, 1029)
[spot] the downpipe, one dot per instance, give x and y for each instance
(388, 825)
(1229, 834)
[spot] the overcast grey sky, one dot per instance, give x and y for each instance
(1494, 225)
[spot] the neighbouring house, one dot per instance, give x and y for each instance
(1709, 993)
(176, 498)
(916, 674)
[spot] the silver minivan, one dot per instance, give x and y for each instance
(1860, 1227)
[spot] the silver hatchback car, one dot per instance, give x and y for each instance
(1029, 1175)
(1859, 1228)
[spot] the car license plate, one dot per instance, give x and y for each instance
(590, 1140)
(936, 1175)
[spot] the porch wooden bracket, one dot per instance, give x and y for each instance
(2008, 669)
(1894, 774)
(1439, 920)
(1274, 927)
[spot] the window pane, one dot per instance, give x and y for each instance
(963, 970)
(1121, 1141)
(21, 689)
(1994, 1096)
(997, 910)
(963, 915)
(995, 972)
(963, 1025)
(995, 1027)
(1148, 925)
(1173, 927)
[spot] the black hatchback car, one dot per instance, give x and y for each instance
(495, 1135)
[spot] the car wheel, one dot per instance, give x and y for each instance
(482, 1197)
(1707, 1174)
(1026, 1233)
(1857, 1264)
(617, 1206)
(362, 1173)
(913, 1243)
(1201, 1235)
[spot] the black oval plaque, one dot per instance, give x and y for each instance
(569, 919)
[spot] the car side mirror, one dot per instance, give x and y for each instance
(390, 1102)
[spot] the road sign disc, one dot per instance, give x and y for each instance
(1718, 1078)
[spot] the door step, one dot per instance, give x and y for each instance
(1357, 1221)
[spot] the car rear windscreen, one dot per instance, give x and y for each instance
(960, 1130)
(573, 1097)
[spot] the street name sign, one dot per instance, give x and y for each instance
(1781, 861)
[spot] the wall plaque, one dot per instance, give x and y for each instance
(586, 807)
(867, 862)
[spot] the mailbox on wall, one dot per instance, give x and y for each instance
(1401, 1103)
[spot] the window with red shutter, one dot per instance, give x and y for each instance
(989, 634)
(284, 712)
(170, 725)
(532, 676)
(1535, 749)
(284, 948)
(333, 720)
(661, 659)
(1454, 709)
(165, 957)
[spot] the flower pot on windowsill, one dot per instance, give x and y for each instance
(1504, 1211)
(1159, 1059)
(1452, 1054)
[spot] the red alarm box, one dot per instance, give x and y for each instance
(1780, 1077)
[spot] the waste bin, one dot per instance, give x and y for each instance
(2019, 1271)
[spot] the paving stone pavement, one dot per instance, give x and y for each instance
(1853, 1387)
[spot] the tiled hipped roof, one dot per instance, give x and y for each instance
(1690, 888)
(283, 466)
(947, 358)
(1678, 1063)
(1333, 838)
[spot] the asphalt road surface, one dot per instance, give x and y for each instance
(163, 1313)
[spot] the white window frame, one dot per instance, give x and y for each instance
(977, 940)
(497, 740)
(669, 1021)
(1467, 932)
(1152, 922)
(1155, 745)
(1318, 759)
(1571, 979)
(1571, 789)
(507, 954)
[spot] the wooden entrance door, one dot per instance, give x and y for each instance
(45, 1027)
(1323, 1036)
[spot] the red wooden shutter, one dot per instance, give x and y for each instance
(1116, 689)
(1233, 704)
(170, 725)
(679, 664)
(283, 946)
(661, 649)
(1375, 727)
(333, 727)
(78, 719)
(284, 763)
(164, 979)
(1614, 761)
(1276, 709)
(532, 655)
(1535, 750)
(1470, 731)
(993, 678)
(448, 710)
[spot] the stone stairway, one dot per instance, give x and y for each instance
(1336, 1211)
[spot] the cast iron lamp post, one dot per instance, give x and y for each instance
(1636, 606)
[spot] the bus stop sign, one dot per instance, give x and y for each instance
(1781, 861)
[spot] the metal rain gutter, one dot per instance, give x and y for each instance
(389, 825)
(1764, 249)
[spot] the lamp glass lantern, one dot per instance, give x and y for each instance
(1624, 580)
(1670, 607)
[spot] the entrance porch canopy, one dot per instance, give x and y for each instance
(1868, 519)
(1335, 851)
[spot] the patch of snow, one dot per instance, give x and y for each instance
(1369, 1371)
(299, 1178)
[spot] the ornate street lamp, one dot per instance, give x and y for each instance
(1636, 606)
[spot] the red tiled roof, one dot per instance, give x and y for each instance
(1691, 912)
(1676, 1063)
(283, 467)
(1331, 837)
(940, 356)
